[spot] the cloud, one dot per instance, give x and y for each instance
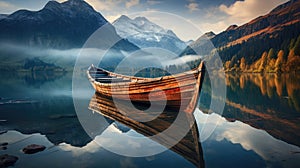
(243, 11)
(112, 5)
(132, 3)
(192, 6)
(127, 162)
(112, 18)
(216, 27)
(104, 5)
(272, 150)
(6, 7)
(153, 2)
(219, 18)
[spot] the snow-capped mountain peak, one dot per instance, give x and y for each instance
(126, 26)
(144, 33)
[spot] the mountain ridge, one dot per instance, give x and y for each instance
(278, 15)
(273, 32)
(57, 25)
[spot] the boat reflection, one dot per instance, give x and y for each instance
(188, 147)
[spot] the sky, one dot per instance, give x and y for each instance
(198, 16)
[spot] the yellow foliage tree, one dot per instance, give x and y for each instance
(263, 62)
(279, 62)
(293, 61)
(243, 64)
(227, 65)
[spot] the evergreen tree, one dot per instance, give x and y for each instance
(292, 43)
(271, 54)
(297, 46)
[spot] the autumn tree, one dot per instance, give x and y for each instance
(271, 61)
(279, 62)
(263, 62)
(233, 61)
(293, 64)
(227, 65)
(243, 64)
(293, 59)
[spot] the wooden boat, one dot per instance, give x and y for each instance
(188, 147)
(179, 90)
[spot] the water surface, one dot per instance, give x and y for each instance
(260, 125)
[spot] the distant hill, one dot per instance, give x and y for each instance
(58, 25)
(274, 32)
(144, 33)
(2, 16)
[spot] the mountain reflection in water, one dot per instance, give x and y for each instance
(266, 101)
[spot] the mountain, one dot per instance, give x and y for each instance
(144, 33)
(232, 27)
(203, 39)
(189, 42)
(277, 30)
(202, 45)
(267, 27)
(209, 35)
(2, 16)
(58, 25)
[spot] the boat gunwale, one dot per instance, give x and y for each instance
(138, 80)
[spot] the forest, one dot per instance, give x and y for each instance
(273, 60)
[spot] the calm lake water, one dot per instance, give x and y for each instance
(260, 125)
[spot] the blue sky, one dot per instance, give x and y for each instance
(205, 15)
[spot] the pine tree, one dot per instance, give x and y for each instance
(271, 54)
(297, 46)
(292, 43)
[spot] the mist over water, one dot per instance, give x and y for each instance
(14, 56)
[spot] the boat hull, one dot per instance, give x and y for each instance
(176, 91)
